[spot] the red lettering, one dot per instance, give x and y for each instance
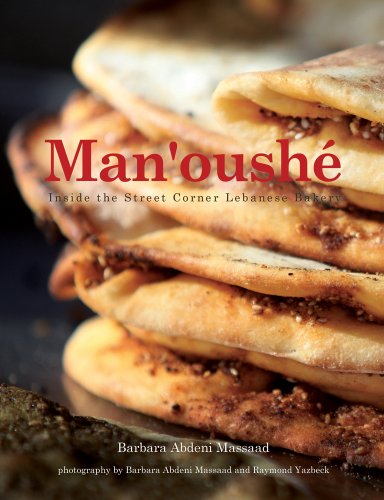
(85, 147)
(120, 167)
(264, 168)
(140, 167)
(319, 166)
(239, 168)
(186, 164)
(285, 159)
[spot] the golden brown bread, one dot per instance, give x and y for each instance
(362, 387)
(329, 349)
(317, 334)
(106, 360)
(352, 240)
(251, 267)
(338, 97)
(161, 78)
(29, 156)
(356, 387)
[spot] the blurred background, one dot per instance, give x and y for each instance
(37, 42)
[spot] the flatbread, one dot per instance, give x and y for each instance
(249, 267)
(319, 335)
(364, 388)
(83, 116)
(355, 387)
(162, 77)
(104, 359)
(334, 88)
(352, 240)
(111, 228)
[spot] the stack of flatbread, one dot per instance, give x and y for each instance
(261, 321)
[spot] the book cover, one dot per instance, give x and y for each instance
(193, 236)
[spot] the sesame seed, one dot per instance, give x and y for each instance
(353, 128)
(298, 318)
(107, 273)
(101, 260)
(257, 309)
(360, 450)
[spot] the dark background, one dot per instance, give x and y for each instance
(37, 42)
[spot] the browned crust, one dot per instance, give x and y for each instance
(299, 418)
(73, 224)
(318, 335)
(350, 240)
(334, 236)
(213, 260)
(61, 280)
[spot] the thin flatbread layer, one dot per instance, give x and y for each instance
(353, 240)
(250, 267)
(363, 388)
(104, 359)
(162, 77)
(335, 89)
(356, 387)
(324, 336)
(83, 116)
(107, 227)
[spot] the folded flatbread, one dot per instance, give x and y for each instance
(83, 116)
(250, 267)
(338, 97)
(349, 239)
(117, 62)
(231, 398)
(160, 65)
(110, 229)
(307, 339)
